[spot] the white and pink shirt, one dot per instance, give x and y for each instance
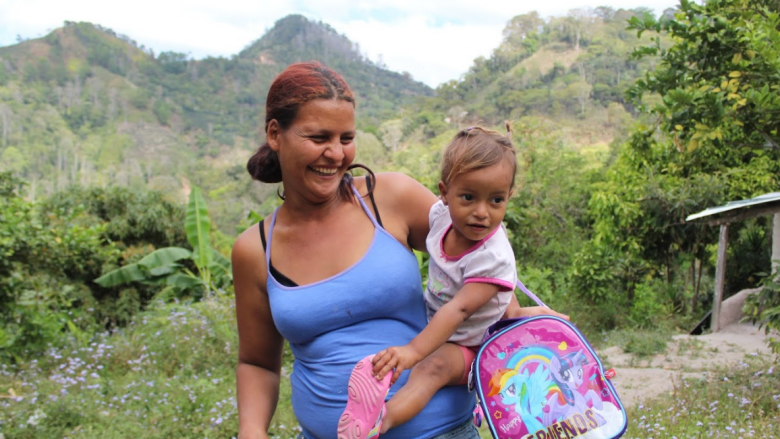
(490, 260)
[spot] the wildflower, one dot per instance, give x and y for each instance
(36, 417)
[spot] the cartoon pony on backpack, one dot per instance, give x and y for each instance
(567, 373)
(544, 390)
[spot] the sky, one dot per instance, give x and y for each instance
(434, 40)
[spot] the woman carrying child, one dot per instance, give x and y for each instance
(331, 271)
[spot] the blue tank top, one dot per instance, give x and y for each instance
(333, 323)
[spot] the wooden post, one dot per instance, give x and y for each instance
(776, 242)
(720, 276)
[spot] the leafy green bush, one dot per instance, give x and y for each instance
(132, 217)
(764, 308)
(167, 266)
(645, 343)
(43, 273)
(647, 308)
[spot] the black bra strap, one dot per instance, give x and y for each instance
(286, 281)
(282, 279)
(369, 179)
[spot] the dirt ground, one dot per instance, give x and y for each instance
(640, 378)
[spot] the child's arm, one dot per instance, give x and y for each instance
(444, 323)
(530, 311)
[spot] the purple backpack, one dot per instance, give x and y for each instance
(538, 378)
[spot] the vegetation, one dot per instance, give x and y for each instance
(741, 402)
(168, 266)
(115, 291)
(763, 308)
(85, 106)
(168, 373)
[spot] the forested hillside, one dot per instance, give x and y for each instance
(85, 106)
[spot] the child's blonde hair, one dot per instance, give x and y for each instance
(477, 148)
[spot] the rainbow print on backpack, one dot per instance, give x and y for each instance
(538, 378)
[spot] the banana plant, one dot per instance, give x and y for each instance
(165, 266)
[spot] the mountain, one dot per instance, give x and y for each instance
(572, 70)
(295, 39)
(84, 105)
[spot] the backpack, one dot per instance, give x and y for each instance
(538, 378)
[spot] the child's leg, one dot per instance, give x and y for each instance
(365, 402)
(444, 367)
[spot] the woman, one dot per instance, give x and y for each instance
(332, 270)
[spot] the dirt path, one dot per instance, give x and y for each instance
(640, 378)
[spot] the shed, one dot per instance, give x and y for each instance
(734, 211)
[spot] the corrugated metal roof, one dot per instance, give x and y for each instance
(731, 205)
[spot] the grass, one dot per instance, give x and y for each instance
(642, 343)
(168, 374)
(740, 402)
(171, 373)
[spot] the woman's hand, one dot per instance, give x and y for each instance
(531, 311)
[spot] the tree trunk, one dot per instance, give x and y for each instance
(668, 270)
(697, 285)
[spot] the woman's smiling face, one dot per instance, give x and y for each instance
(315, 150)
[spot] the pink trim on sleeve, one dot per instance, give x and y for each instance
(505, 285)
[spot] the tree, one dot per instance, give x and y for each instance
(575, 25)
(521, 27)
(580, 91)
(391, 133)
(712, 137)
(719, 82)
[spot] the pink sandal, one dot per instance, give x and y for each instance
(365, 403)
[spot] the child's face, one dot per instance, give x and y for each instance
(477, 200)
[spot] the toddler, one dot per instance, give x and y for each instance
(471, 279)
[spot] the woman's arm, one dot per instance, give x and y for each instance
(530, 311)
(404, 204)
(259, 343)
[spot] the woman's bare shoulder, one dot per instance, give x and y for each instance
(401, 187)
(248, 255)
(248, 241)
(408, 203)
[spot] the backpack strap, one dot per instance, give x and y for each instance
(530, 294)
(501, 324)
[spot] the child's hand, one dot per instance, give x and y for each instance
(399, 358)
(531, 311)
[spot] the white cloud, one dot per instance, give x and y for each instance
(434, 40)
(431, 54)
